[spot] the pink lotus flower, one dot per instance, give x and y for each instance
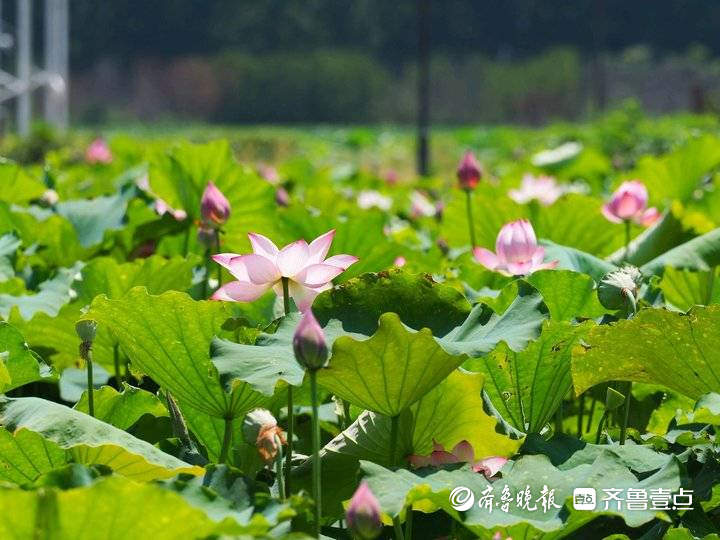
(629, 203)
(541, 188)
(469, 171)
(399, 261)
(462, 452)
(214, 207)
(363, 514)
(420, 205)
(308, 271)
(98, 152)
(517, 251)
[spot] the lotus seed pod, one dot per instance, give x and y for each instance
(86, 330)
(616, 286)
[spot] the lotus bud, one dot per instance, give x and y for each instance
(620, 287)
(469, 172)
(98, 152)
(214, 207)
(363, 514)
(260, 428)
(282, 197)
(309, 343)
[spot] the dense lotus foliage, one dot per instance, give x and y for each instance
(283, 334)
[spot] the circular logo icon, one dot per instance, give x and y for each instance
(461, 498)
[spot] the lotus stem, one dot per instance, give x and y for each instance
(116, 361)
(398, 528)
(186, 242)
(290, 411)
(278, 469)
(711, 284)
(471, 222)
(628, 226)
(591, 415)
(90, 389)
(409, 523)
(217, 250)
(626, 413)
(346, 413)
(600, 427)
(581, 413)
(394, 429)
(227, 438)
(317, 477)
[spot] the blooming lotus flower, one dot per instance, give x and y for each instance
(363, 514)
(369, 198)
(214, 207)
(629, 203)
(517, 251)
(420, 205)
(399, 261)
(462, 452)
(308, 271)
(309, 343)
(98, 152)
(541, 188)
(469, 171)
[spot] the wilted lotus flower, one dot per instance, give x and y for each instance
(517, 251)
(98, 152)
(370, 198)
(541, 188)
(162, 208)
(261, 428)
(363, 514)
(469, 172)
(420, 205)
(214, 207)
(462, 452)
(308, 271)
(629, 203)
(309, 343)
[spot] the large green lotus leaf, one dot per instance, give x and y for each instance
(122, 409)
(684, 289)
(491, 210)
(18, 364)
(681, 352)
(92, 217)
(25, 455)
(210, 430)
(17, 186)
(419, 301)
(57, 341)
(655, 240)
(430, 490)
(157, 274)
(51, 296)
(678, 174)
(527, 387)
(180, 176)
(112, 507)
(90, 440)
(567, 295)
(52, 237)
(361, 236)
(389, 371)
(576, 221)
(8, 245)
(484, 329)
(701, 253)
(578, 261)
(459, 396)
(168, 338)
(270, 360)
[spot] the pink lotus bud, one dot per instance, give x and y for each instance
(469, 172)
(309, 343)
(399, 261)
(391, 177)
(214, 207)
(269, 174)
(363, 514)
(282, 197)
(629, 203)
(98, 152)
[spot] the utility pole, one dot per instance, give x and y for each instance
(423, 88)
(24, 64)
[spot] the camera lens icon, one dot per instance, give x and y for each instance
(462, 498)
(584, 498)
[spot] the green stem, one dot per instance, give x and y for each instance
(408, 524)
(186, 242)
(207, 274)
(394, 429)
(290, 409)
(581, 413)
(227, 439)
(278, 469)
(471, 222)
(600, 427)
(710, 286)
(317, 494)
(591, 415)
(217, 250)
(398, 528)
(346, 413)
(116, 360)
(89, 367)
(626, 414)
(286, 294)
(628, 225)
